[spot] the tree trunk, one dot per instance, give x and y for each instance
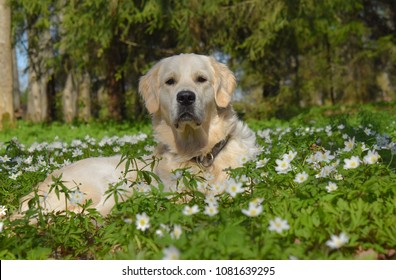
(37, 106)
(6, 73)
(39, 76)
(16, 85)
(393, 9)
(384, 83)
(330, 70)
(76, 97)
(102, 109)
(115, 90)
(69, 99)
(115, 80)
(139, 112)
(84, 98)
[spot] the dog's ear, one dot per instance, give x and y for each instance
(224, 84)
(149, 89)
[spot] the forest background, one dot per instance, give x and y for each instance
(84, 58)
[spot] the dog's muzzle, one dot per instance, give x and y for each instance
(186, 108)
(186, 98)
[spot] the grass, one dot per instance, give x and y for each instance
(285, 208)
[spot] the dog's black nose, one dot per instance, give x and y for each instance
(185, 97)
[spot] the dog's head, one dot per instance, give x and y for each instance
(185, 89)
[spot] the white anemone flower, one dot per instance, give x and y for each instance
(278, 225)
(142, 221)
(171, 253)
(372, 157)
(352, 162)
(283, 166)
(337, 242)
(76, 197)
(349, 145)
(176, 232)
(190, 210)
(234, 187)
(211, 210)
(290, 156)
(331, 187)
(301, 177)
(254, 210)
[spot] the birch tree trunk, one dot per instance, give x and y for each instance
(6, 73)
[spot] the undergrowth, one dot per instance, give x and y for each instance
(323, 187)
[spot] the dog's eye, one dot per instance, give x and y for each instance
(201, 79)
(170, 82)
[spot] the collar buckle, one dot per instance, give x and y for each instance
(206, 160)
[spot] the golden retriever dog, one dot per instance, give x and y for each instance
(189, 97)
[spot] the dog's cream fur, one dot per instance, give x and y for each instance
(181, 137)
